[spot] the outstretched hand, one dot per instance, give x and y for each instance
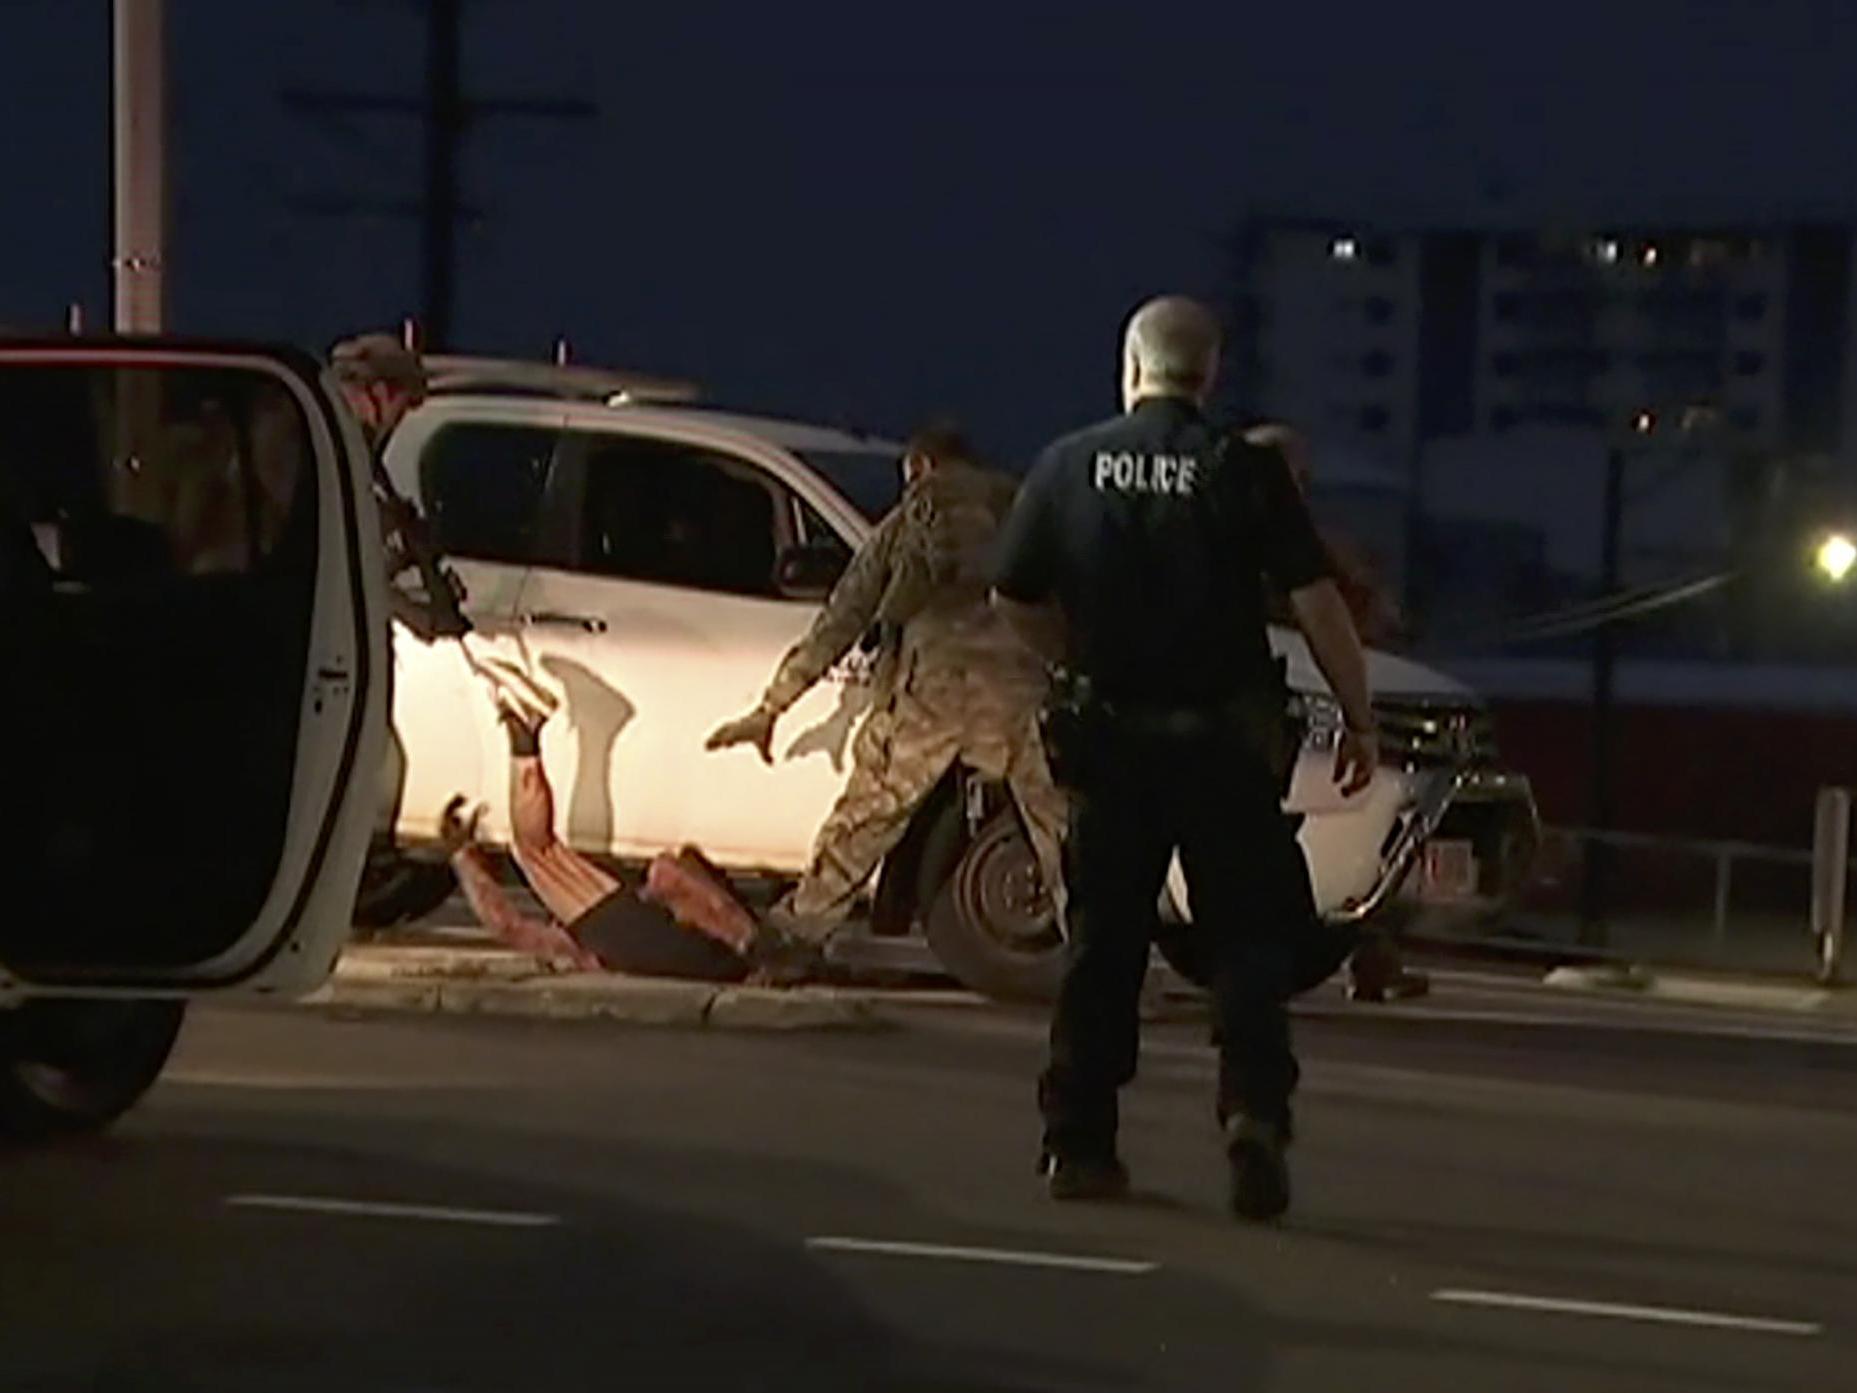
(756, 729)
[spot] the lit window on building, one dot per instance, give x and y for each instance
(1649, 256)
(1605, 251)
(1644, 422)
(1344, 249)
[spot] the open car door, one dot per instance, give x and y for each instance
(194, 613)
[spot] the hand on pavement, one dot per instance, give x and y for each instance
(457, 829)
(756, 729)
(1357, 755)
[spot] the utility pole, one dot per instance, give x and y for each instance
(447, 114)
(139, 158)
(1601, 813)
(444, 122)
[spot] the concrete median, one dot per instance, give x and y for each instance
(1744, 993)
(492, 982)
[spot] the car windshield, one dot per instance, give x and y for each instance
(871, 480)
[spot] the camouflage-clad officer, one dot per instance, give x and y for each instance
(951, 682)
(382, 381)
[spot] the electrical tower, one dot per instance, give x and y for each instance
(447, 115)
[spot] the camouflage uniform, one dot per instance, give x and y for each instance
(951, 683)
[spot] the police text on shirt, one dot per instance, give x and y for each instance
(1136, 471)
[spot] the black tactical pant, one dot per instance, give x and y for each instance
(1210, 796)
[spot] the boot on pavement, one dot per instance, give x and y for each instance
(1260, 1188)
(1085, 1178)
(1376, 974)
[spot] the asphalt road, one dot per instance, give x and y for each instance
(1489, 1196)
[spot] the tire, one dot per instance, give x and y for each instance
(71, 1067)
(396, 889)
(989, 925)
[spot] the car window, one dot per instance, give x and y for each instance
(139, 472)
(481, 485)
(817, 534)
(676, 514)
(870, 480)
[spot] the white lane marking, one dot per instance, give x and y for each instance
(1661, 1315)
(227, 1078)
(374, 1209)
(1122, 1267)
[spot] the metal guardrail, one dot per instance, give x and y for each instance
(1830, 874)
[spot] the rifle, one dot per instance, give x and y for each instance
(438, 613)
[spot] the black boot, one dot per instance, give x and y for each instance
(1260, 1173)
(1081, 1178)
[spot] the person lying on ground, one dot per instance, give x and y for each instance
(682, 921)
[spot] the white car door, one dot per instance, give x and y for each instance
(482, 481)
(190, 572)
(669, 623)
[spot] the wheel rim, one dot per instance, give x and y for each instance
(1000, 892)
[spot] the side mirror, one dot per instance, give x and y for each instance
(809, 572)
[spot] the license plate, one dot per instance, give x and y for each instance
(1449, 870)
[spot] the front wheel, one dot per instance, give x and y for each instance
(70, 1066)
(989, 919)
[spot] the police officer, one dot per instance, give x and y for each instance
(1137, 557)
(951, 683)
(382, 381)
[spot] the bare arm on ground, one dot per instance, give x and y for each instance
(541, 937)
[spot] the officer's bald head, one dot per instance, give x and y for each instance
(1170, 349)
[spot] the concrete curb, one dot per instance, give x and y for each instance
(497, 983)
(1695, 989)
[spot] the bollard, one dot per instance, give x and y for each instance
(1831, 855)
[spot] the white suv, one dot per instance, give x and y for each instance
(652, 561)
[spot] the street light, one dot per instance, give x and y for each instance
(1835, 557)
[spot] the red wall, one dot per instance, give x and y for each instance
(1722, 774)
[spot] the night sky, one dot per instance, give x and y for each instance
(867, 213)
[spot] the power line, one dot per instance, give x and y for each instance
(447, 115)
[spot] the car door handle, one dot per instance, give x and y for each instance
(591, 623)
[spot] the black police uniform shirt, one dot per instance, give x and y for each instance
(1156, 542)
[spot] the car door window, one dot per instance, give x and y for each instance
(677, 514)
(160, 526)
(482, 485)
(816, 534)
